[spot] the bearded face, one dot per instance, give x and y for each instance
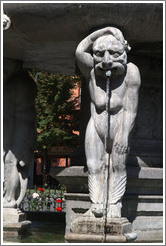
(109, 54)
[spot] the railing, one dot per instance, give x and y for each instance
(47, 199)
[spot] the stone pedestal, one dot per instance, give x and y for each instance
(14, 222)
(89, 230)
(142, 204)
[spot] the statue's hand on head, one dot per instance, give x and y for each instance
(109, 31)
(85, 51)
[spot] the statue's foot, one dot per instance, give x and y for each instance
(9, 204)
(98, 210)
(114, 210)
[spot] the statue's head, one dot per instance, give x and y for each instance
(110, 53)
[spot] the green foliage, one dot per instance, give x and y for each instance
(56, 114)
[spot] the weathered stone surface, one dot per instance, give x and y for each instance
(133, 172)
(82, 238)
(118, 229)
(144, 180)
(14, 222)
(144, 212)
(87, 225)
(153, 236)
(45, 35)
(145, 223)
(142, 202)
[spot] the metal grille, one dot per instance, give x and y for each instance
(43, 199)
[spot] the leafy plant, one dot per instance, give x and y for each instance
(57, 117)
(45, 199)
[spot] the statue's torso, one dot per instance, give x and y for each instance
(98, 104)
(98, 94)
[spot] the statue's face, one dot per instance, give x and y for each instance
(109, 54)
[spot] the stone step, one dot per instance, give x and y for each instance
(149, 236)
(143, 223)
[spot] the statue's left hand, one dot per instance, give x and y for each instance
(121, 145)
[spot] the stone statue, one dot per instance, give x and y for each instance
(19, 131)
(6, 21)
(114, 85)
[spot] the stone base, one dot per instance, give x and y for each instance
(14, 222)
(89, 230)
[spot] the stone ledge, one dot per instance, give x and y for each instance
(14, 229)
(72, 171)
(83, 238)
(139, 180)
(133, 205)
(149, 236)
(132, 172)
(16, 226)
(143, 199)
(77, 196)
(14, 222)
(143, 223)
(145, 172)
(96, 226)
(81, 196)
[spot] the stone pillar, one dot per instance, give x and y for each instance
(19, 132)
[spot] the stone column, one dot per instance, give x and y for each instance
(19, 137)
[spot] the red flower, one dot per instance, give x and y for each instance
(59, 209)
(41, 189)
(59, 200)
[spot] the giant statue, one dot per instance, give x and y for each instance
(19, 131)
(113, 85)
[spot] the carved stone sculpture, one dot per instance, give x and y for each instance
(6, 21)
(113, 84)
(19, 131)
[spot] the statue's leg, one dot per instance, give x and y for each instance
(23, 176)
(11, 185)
(117, 183)
(94, 149)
